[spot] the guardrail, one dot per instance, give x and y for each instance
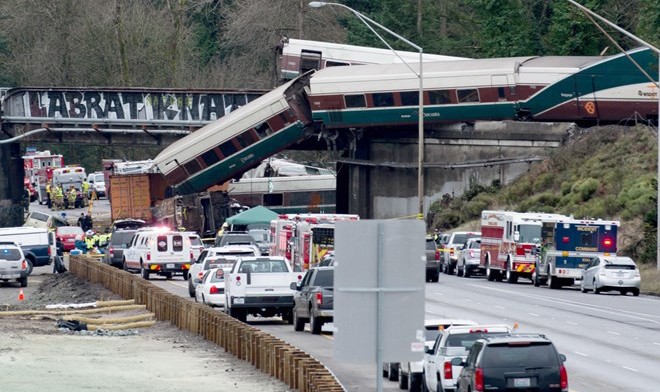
(267, 353)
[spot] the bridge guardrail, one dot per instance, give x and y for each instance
(267, 353)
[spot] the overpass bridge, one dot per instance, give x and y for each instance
(456, 156)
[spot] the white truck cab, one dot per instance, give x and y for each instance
(261, 286)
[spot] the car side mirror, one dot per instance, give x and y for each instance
(516, 236)
(457, 362)
(429, 351)
(562, 358)
(294, 286)
(197, 280)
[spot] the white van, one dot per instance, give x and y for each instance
(35, 243)
(160, 252)
(46, 221)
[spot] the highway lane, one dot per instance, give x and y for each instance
(612, 342)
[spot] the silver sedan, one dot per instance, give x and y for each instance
(611, 273)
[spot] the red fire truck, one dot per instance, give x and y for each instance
(305, 238)
(507, 242)
(38, 167)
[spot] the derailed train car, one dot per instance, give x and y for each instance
(586, 90)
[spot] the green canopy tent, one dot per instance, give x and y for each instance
(256, 216)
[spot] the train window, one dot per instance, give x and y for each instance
(309, 60)
(285, 117)
(500, 92)
(245, 139)
(468, 95)
(355, 101)
(273, 199)
(439, 97)
(210, 158)
(228, 148)
(192, 167)
(383, 99)
(330, 63)
(409, 98)
(263, 130)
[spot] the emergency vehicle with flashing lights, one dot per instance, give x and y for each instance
(568, 246)
(38, 167)
(304, 239)
(508, 240)
(159, 251)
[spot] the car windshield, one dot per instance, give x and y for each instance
(325, 278)
(430, 245)
(74, 230)
(10, 254)
(620, 266)
(530, 234)
(459, 239)
(225, 263)
(121, 237)
(508, 355)
(466, 340)
(262, 266)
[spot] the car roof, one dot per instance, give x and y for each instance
(518, 337)
(263, 258)
(478, 328)
(447, 322)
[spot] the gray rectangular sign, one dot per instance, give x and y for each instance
(380, 269)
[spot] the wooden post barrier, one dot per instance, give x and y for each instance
(271, 355)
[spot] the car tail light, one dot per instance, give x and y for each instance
(24, 265)
(451, 251)
(148, 256)
(238, 278)
(214, 290)
(191, 255)
(437, 255)
(485, 330)
(111, 251)
(200, 275)
(471, 252)
(299, 278)
(563, 378)
(479, 379)
(319, 298)
(447, 368)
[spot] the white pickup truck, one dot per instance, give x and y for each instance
(455, 341)
(261, 286)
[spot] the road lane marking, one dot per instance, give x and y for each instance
(656, 343)
(631, 369)
(571, 322)
(533, 314)
(614, 333)
(581, 354)
(598, 308)
(499, 307)
(439, 293)
(177, 284)
(329, 337)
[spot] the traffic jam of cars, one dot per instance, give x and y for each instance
(296, 270)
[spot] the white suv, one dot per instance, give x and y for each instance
(13, 265)
(455, 341)
(159, 252)
(198, 268)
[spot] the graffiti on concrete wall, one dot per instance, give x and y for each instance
(123, 105)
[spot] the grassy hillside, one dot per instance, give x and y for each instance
(601, 172)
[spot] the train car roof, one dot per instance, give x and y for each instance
(228, 125)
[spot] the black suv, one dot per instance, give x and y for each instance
(513, 362)
(119, 242)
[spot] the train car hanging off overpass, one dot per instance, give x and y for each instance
(585, 90)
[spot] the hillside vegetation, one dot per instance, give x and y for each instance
(600, 172)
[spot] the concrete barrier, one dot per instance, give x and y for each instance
(267, 353)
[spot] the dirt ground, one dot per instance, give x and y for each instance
(35, 355)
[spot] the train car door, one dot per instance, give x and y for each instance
(585, 96)
(309, 60)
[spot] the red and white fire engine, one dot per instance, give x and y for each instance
(507, 242)
(305, 238)
(38, 167)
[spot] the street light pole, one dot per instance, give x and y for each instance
(420, 132)
(644, 43)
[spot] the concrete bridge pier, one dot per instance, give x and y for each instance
(11, 185)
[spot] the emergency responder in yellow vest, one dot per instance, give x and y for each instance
(71, 196)
(59, 196)
(89, 239)
(49, 201)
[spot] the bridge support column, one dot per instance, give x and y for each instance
(353, 183)
(11, 185)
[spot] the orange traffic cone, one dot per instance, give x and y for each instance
(21, 296)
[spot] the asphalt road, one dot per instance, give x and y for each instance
(612, 342)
